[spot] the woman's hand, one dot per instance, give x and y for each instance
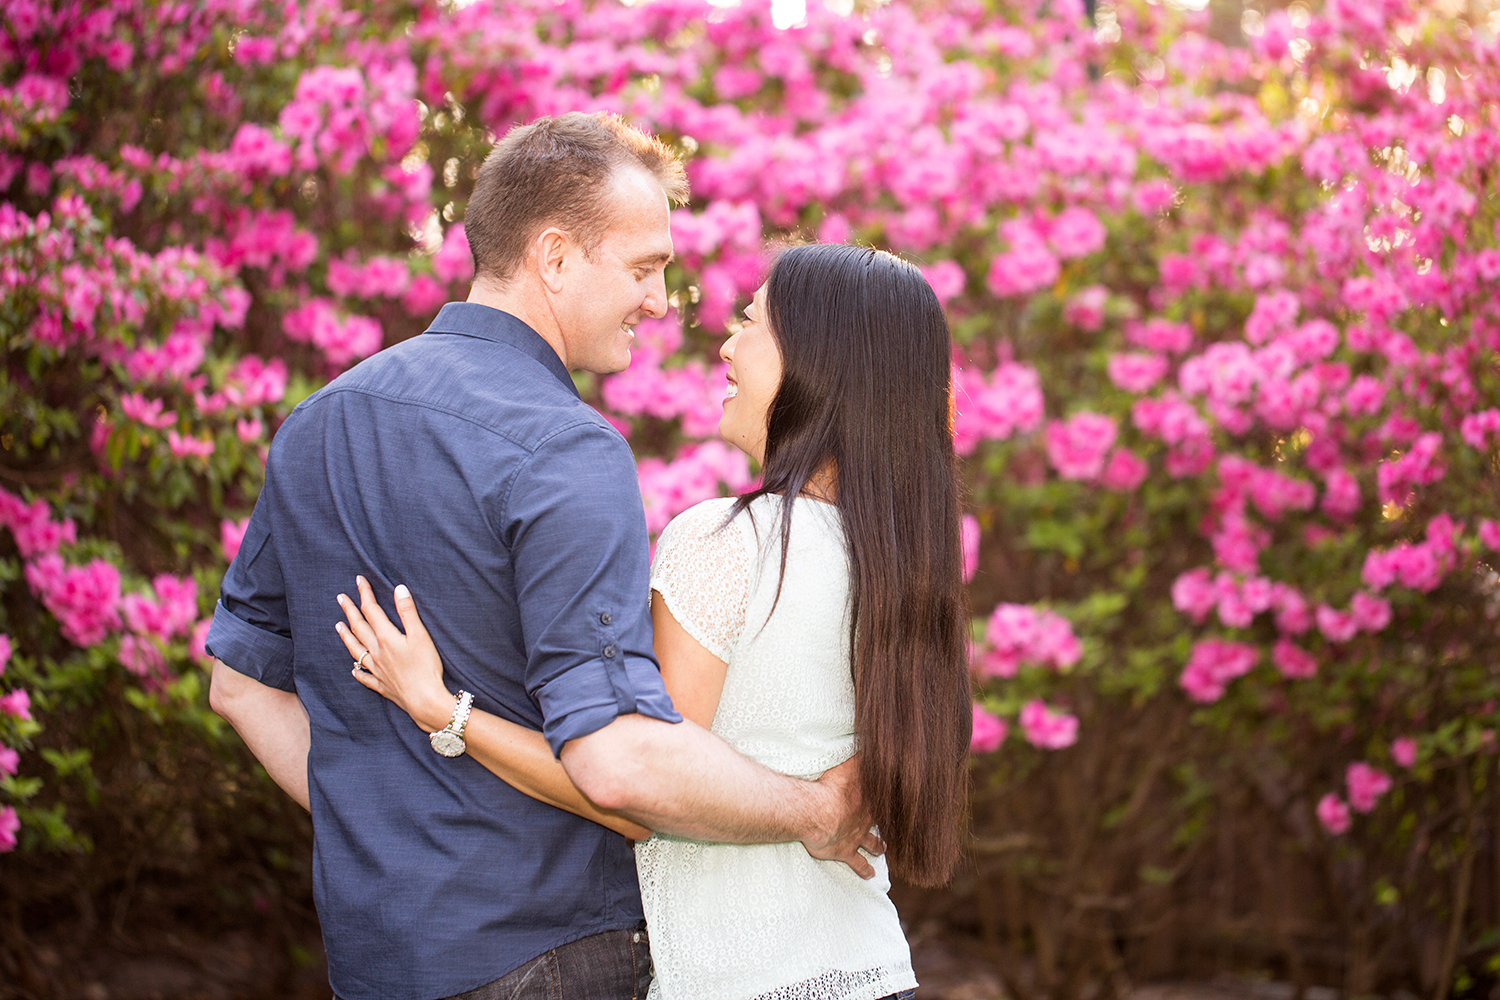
(406, 667)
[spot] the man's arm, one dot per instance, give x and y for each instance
(681, 779)
(272, 723)
(577, 534)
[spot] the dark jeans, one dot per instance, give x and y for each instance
(615, 965)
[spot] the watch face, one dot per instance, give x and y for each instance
(447, 743)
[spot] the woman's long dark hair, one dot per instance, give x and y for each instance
(866, 371)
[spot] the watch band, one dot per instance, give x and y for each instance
(449, 741)
(461, 712)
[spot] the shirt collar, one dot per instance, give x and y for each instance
(470, 319)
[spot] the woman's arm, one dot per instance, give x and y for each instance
(406, 669)
(694, 677)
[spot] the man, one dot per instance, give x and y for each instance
(463, 464)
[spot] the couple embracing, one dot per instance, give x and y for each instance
(707, 706)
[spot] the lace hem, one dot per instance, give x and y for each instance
(872, 984)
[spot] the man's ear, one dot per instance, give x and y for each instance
(552, 247)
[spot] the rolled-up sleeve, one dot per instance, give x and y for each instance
(577, 536)
(251, 631)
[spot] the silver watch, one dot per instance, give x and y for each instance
(449, 741)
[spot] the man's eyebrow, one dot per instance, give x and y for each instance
(655, 258)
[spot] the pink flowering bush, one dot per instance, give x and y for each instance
(1224, 298)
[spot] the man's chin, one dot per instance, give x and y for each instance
(613, 364)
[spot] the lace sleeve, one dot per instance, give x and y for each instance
(702, 571)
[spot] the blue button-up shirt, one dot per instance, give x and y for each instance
(463, 464)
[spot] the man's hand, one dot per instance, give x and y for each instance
(848, 825)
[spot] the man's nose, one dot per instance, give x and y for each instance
(656, 297)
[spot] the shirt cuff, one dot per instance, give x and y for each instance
(257, 653)
(590, 696)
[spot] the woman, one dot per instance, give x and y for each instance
(795, 629)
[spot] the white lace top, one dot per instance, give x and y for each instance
(767, 921)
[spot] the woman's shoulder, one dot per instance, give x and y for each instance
(705, 520)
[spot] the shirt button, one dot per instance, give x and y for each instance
(605, 618)
(609, 652)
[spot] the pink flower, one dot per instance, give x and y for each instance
(1151, 197)
(10, 760)
(1136, 372)
(1364, 396)
(946, 278)
(1417, 467)
(1026, 267)
(1333, 814)
(1489, 534)
(423, 295)
(1294, 662)
(231, 533)
(254, 381)
(1418, 566)
(1212, 665)
(1076, 232)
(9, 824)
(1076, 447)
(84, 599)
(148, 412)
(341, 338)
(453, 261)
(171, 614)
(1085, 309)
(17, 704)
(1160, 335)
(1336, 626)
(32, 525)
(1477, 428)
(1404, 751)
(1194, 594)
(1293, 616)
(1047, 728)
(989, 732)
(1366, 785)
(1341, 497)
(969, 541)
(1370, 613)
(1237, 544)
(189, 447)
(249, 430)
(1274, 493)
(1010, 401)
(142, 657)
(1274, 313)
(1170, 418)
(196, 641)
(1125, 471)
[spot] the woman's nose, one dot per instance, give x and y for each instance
(726, 349)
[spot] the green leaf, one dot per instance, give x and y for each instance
(1051, 535)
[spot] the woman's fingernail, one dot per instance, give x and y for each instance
(401, 592)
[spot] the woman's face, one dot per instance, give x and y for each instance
(754, 376)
